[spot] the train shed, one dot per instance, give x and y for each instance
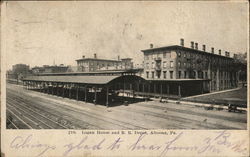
(101, 89)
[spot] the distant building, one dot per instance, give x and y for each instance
(190, 68)
(96, 64)
(50, 69)
(37, 70)
(20, 68)
(19, 71)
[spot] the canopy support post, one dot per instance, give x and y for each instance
(77, 93)
(107, 97)
(85, 93)
(95, 96)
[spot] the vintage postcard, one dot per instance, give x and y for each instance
(124, 78)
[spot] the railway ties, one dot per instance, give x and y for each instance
(33, 119)
(11, 124)
(16, 119)
(53, 114)
(82, 124)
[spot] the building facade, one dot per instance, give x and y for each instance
(96, 64)
(189, 64)
(20, 68)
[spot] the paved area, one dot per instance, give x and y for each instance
(28, 109)
(235, 96)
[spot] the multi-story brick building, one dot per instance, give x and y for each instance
(190, 68)
(96, 64)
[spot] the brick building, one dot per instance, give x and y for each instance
(189, 70)
(96, 64)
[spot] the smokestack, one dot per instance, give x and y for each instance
(192, 44)
(95, 56)
(118, 57)
(83, 56)
(212, 49)
(196, 46)
(219, 51)
(204, 47)
(151, 45)
(235, 56)
(182, 42)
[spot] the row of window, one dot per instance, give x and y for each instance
(168, 54)
(158, 74)
(164, 65)
(103, 64)
(180, 64)
(181, 74)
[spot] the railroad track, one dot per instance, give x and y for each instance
(98, 117)
(51, 113)
(15, 121)
(35, 118)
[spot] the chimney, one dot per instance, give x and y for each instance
(235, 56)
(212, 49)
(151, 45)
(182, 42)
(204, 47)
(118, 57)
(95, 56)
(83, 56)
(219, 51)
(228, 54)
(196, 46)
(192, 44)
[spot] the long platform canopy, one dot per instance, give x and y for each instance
(94, 79)
(73, 79)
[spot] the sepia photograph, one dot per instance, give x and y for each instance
(98, 66)
(85, 68)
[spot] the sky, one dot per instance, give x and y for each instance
(44, 33)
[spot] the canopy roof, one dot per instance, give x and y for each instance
(86, 79)
(73, 79)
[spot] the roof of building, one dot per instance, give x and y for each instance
(97, 59)
(184, 48)
(73, 79)
(105, 72)
(91, 80)
(177, 80)
(126, 59)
